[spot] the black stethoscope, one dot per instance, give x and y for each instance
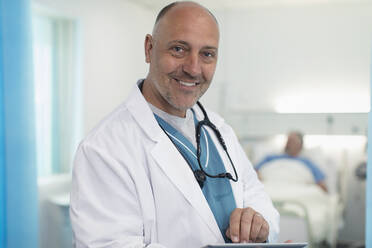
(200, 174)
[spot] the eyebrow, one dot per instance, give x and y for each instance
(178, 41)
(187, 44)
(211, 47)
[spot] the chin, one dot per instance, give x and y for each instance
(183, 105)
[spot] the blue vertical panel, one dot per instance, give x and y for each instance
(2, 151)
(18, 118)
(369, 175)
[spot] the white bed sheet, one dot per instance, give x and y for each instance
(287, 170)
(322, 208)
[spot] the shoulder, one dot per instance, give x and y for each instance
(306, 161)
(112, 130)
(317, 172)
(275, 156)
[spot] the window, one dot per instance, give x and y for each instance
(57, 92)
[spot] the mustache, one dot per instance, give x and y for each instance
(184, 76)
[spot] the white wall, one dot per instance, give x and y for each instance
(280, 58)
(270, 56)
(112, 38)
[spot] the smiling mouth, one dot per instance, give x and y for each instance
(187, 84)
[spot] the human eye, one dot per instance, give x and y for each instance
(178, 51)
(209, 55)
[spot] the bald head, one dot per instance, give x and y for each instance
(164, 10)
(182, 7)
(294, 143)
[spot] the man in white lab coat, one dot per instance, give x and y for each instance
(148, 175)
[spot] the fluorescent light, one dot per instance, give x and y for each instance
(327, 103)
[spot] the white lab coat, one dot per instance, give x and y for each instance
(132, 188)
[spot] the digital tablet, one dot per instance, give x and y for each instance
(258, 245)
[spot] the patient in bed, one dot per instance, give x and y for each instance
(291, 165)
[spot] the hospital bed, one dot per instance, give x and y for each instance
(318, 212)
(307, 212)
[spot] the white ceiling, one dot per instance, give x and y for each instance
(239, 4)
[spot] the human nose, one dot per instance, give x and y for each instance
(192, 65)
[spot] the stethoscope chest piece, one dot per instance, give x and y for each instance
(200, 177)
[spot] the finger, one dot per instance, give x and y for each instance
(257, 223)
(245, 224)
(264, 232)
(228, 233)
(234, 227)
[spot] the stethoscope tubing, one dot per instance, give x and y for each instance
(209, 124)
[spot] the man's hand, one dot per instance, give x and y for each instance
(247, 225)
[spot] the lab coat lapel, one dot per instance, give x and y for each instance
(170, 160)
(179, 172)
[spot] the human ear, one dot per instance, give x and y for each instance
(148, 47)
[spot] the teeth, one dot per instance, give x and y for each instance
(187, 84)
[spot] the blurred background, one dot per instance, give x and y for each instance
(284, 65)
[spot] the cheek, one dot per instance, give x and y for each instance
(168, 64)
(209, 71)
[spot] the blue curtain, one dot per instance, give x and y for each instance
(2, 151)
(18, 185)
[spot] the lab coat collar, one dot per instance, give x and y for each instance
(170, 160)
(141, 111)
